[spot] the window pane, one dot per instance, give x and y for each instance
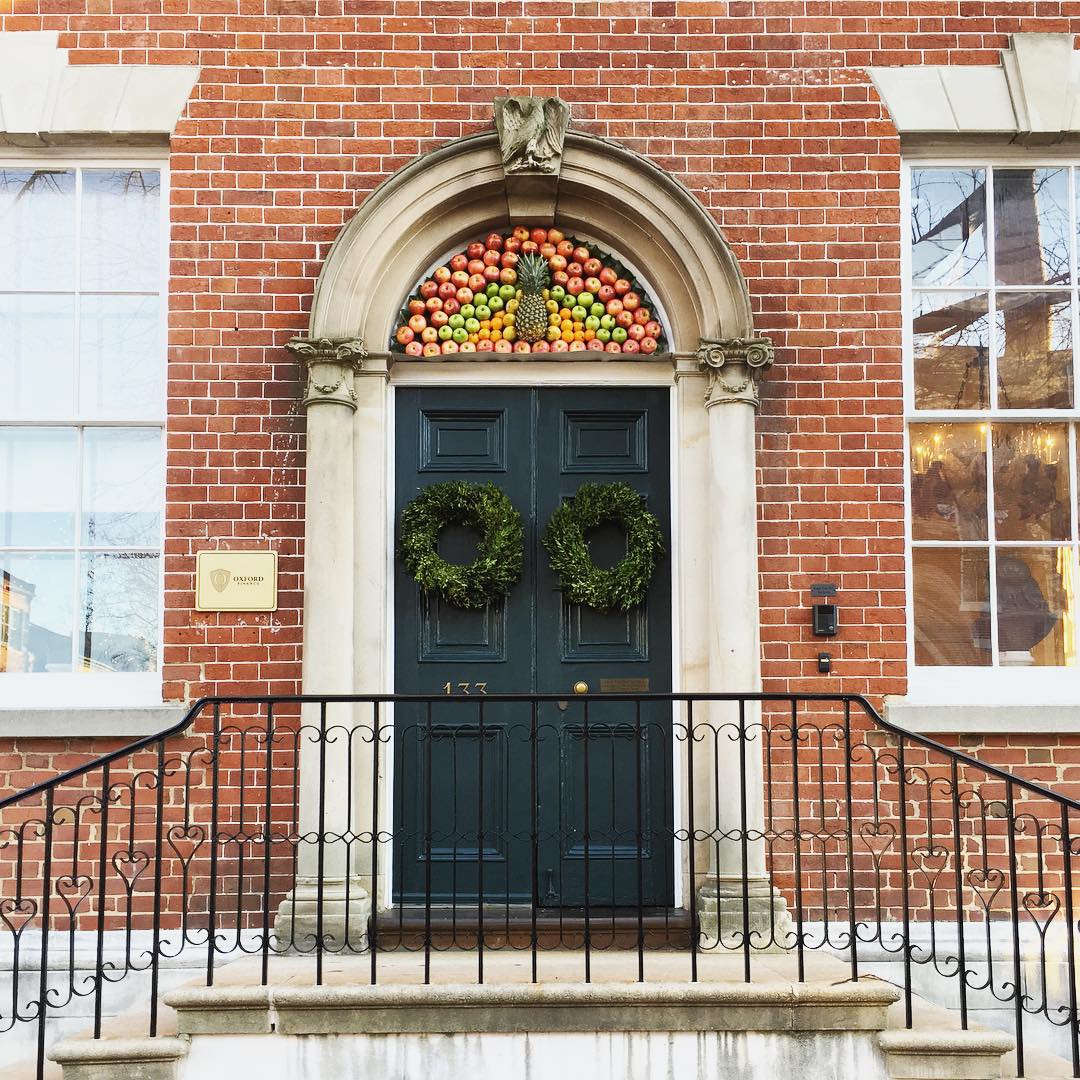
(37, 487)
(123, 483)
(1034, 351)
(36, 593)
(948, 481)
(121, 364)
(118, 621)
(951, 334)
(948, 226)
(121, 229)
(1035, 602)
(37, 229)
(1031, 226)
(1031, 482)
(38, 335)
(952, 590)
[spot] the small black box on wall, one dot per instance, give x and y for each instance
(826, 619)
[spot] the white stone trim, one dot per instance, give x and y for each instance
(44, 100)
(976, 719)
(1032, 95)
(59, 723)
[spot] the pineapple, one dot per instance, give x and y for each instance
(531, 317)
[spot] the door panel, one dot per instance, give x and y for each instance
(464, 768)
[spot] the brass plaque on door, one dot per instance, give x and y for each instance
(624, 686)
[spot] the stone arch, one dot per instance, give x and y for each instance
(459, 190)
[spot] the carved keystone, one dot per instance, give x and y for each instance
(735, 367)
(532, 131)
(331, 365)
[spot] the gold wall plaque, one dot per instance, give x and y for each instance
(236, 581)
(624, 686)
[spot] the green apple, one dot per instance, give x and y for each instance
(492, 289)
(446, 332)
(607, 321)
(592, 323)
(603, 335)
(456, 321)
(578, 312)
(468, 311)
(586, 299)
(619, 334)
(597, 310)
(496, 303)
(558, 293)
(508, 292)
(472, 325)
(461, 334)
(483, 312)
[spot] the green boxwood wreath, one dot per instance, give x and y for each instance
(501, 550)
(583, 582)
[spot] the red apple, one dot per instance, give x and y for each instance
(432, 349)
(404, 335)
(512, 244)
(459, 262)
(508, 275)
(438, 318)
(592, 285)
(528, 247)
(538, 236)
(441, 274)
(641, 314)
(509, 258)
(429, 289)
(605, 293)
(453, 305)
(631, 300)
(521, 232)
(560, 277)
(476, 266)
(574, 269)
(449, 346)
(648, 344)
(564, 248)
(630, 346)
(593, 267)
(622, 286)
(612, 346)
(461, 279)
(557, 262)
(485, 346)
(447, 289)
(614, 306)
(652, 329)
(464, 296)
(635, 331)
(560, 346)
(416, 307)
(434, 303)
(578, 346)
(522, 346)
(477, 283)
(546, 251)
(414, 348)
(541, 346)
(494, 242)
(475, 250)
(581, 254)
(491, 258)
(429, 333)
(556, 236)
(503, 346)
(625, 318)
(491, 273)
(575, 285)
(417, 324)
(608, 276)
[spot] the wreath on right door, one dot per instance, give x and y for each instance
(625, 585)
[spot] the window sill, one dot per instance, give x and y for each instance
(971, 719)
(115, 722)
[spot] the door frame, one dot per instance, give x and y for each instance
(684, 406)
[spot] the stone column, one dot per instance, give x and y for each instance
(328, 656)
(734, 368)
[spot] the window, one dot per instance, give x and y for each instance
(82, 405)
(992, 442)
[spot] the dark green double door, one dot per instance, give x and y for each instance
(496, 798)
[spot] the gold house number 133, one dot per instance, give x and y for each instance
(465, 688)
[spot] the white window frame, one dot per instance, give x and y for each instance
(22, 690)
(991, 684)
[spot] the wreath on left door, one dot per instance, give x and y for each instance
(500, 551)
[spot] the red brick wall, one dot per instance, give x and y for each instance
(762, 107)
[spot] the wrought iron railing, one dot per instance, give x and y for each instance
(699, 823)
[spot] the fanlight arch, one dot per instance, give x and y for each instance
(445, 198)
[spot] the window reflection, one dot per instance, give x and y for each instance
(118, 622)
(948, 226)
(37, 228)
(1035, 606)
(951, 335)
(36, 611)
(948, 481)
(952, 590)
(1031, 226)
(1034, 350)
(1031, 482)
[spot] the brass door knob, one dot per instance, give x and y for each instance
(581, 688)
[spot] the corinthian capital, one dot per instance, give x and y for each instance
(735, 367)
(331, 365)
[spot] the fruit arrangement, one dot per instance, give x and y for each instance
(529, 291)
